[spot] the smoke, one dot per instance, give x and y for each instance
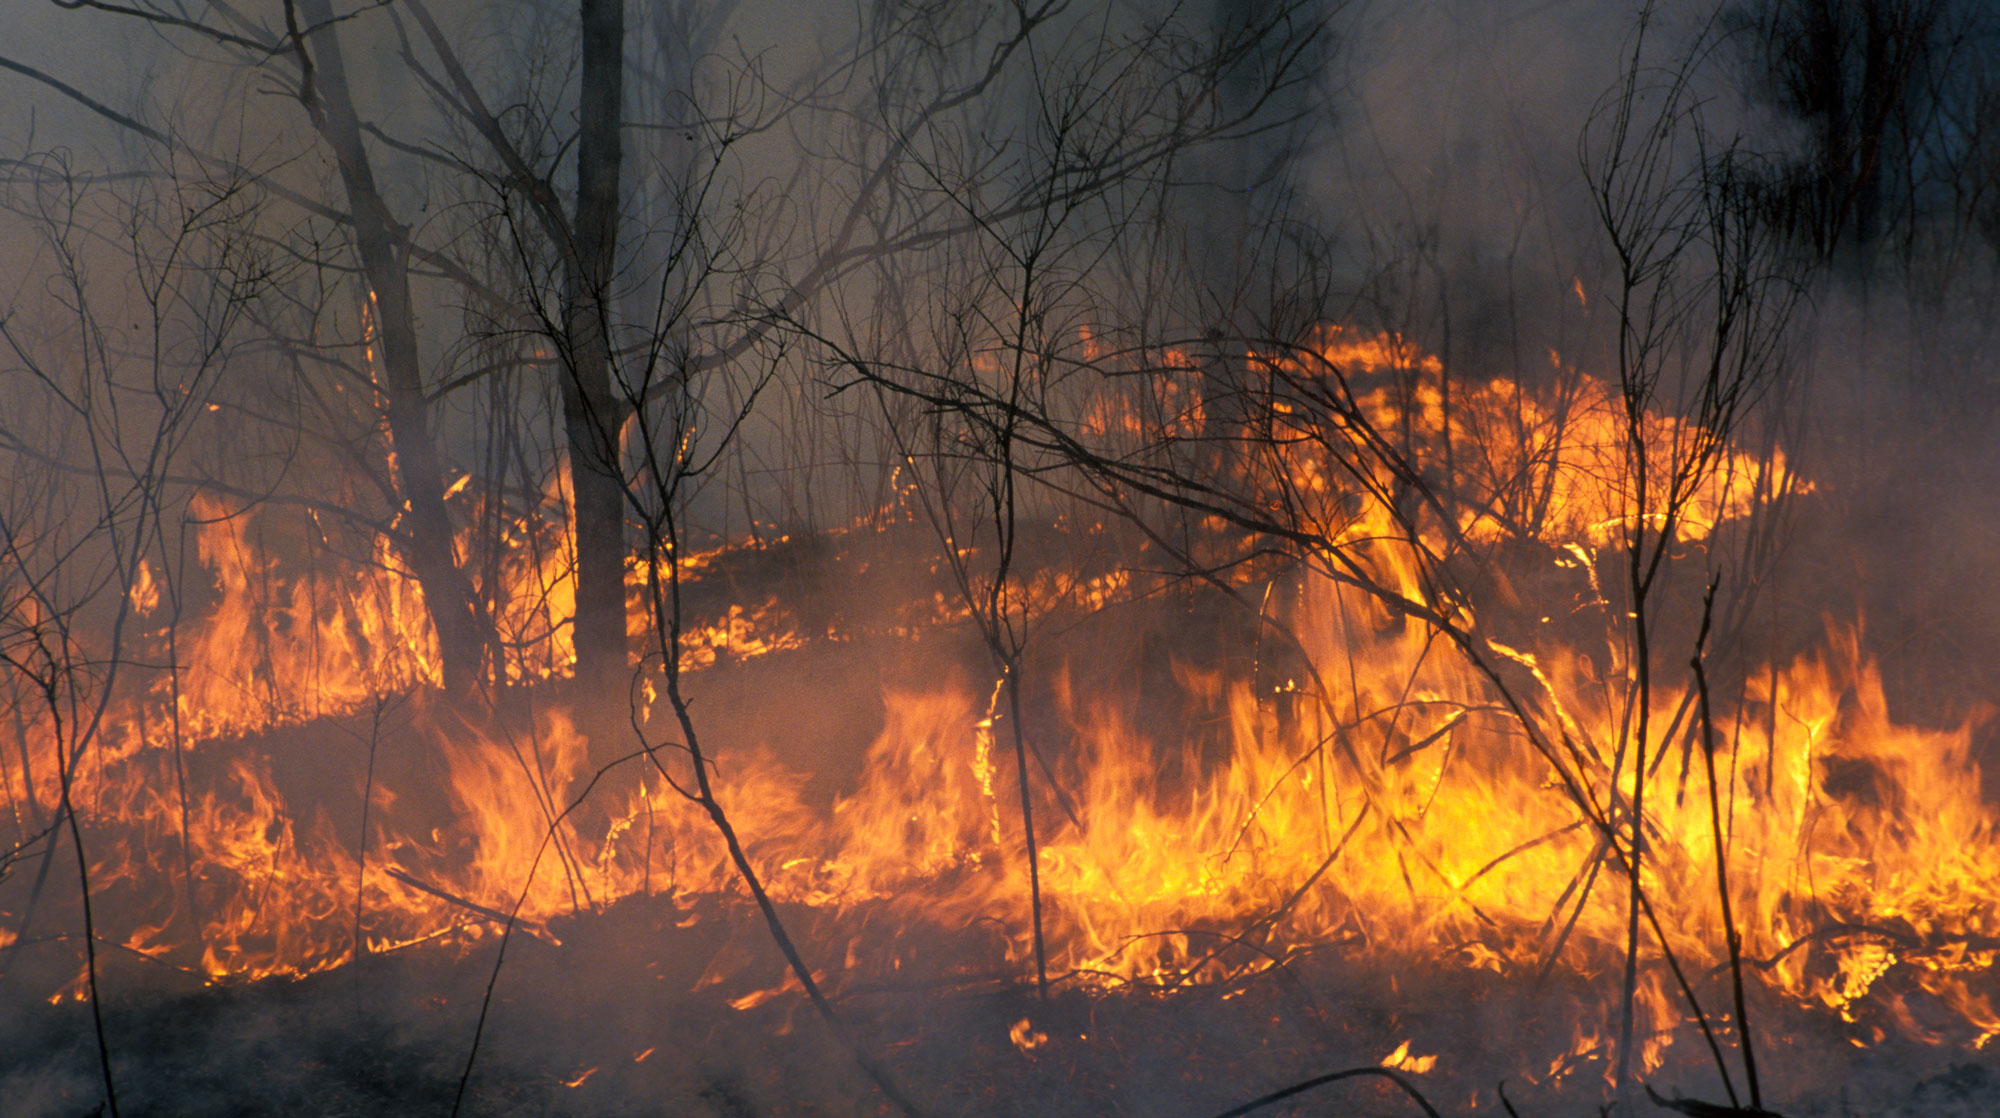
(1451, 165)
(1456, 165)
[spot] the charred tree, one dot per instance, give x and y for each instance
(593, 411)
(584, 238)
(464, 636)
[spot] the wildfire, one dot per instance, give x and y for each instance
(1383, 798)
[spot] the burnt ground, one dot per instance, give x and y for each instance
(608, 1023)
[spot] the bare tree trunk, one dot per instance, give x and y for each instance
(463, 635)
(593, 412)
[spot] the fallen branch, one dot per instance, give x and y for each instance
(1698, 1109)
(1263, 1101)
(475, 907)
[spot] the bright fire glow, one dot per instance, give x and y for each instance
(1381, 796)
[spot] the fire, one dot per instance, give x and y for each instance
(145, 592)
(1346, 348)
(1402, 1060)
(1537, 465)
(1026, 1037)
(1364, 785)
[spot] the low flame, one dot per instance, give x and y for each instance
(1383, 798)
(1401, 1060)
(1026, 1037)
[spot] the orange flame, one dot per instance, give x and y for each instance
(1384, 798)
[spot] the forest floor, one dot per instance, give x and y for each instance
(609, 1022)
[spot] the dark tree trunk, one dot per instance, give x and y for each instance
(593, 410)
(464, 636)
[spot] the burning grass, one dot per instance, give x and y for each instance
(614, 1021)
(1284, 823)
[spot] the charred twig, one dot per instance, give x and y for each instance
(1904, 940)
(1271, 918)
(511, 921)
(50, 665)
(1730, 935)
(494, 915)
(1263, 1101)
(361, 847)
(1698, 1109)
(20, 850)
(1278, 962)
(668, 611)
(1580, 886)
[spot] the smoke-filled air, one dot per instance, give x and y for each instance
(1066, 557)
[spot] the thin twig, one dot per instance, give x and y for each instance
(1263, 1101)
(1734, 940)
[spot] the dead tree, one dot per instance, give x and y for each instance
(1702, 299)
(110, 354)
(301, 47)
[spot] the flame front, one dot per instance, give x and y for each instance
(1354, 781)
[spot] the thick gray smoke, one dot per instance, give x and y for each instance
(1455, 164)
